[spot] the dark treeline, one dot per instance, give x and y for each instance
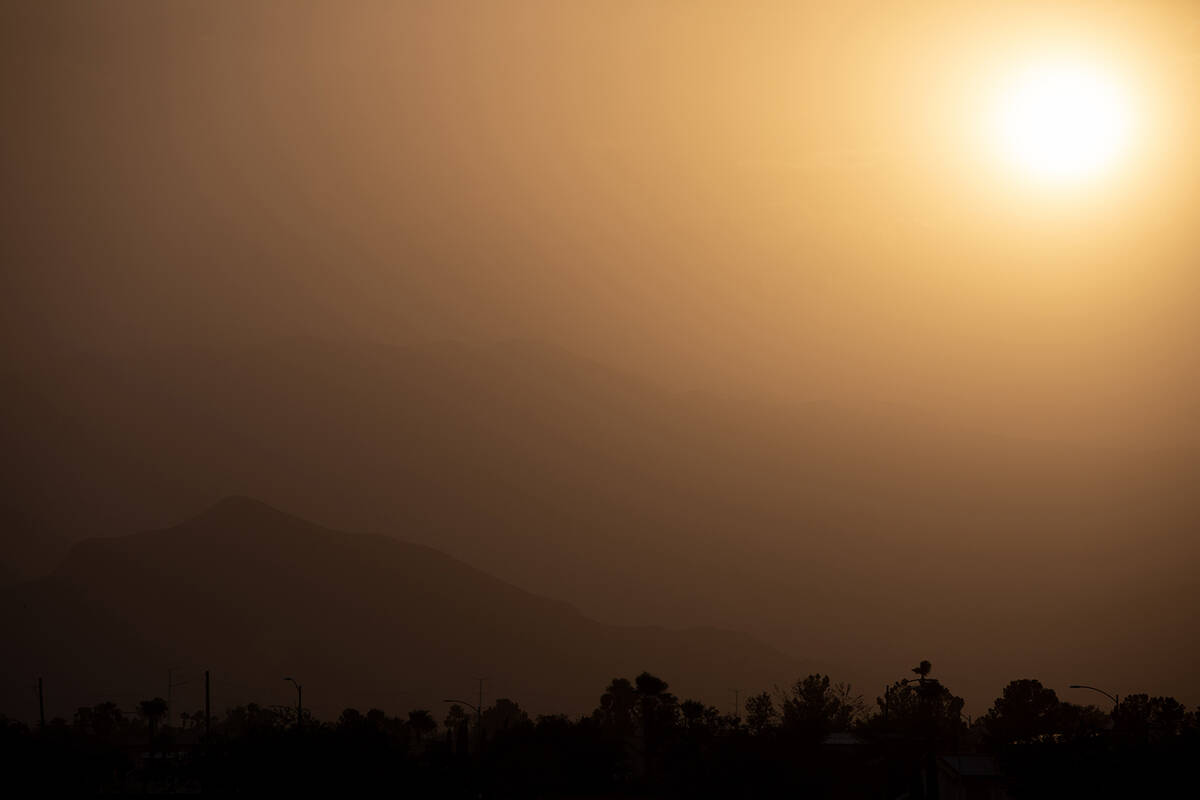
(815, 738)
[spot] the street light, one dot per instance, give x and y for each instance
(299, 703)
(478, 709)
(1115, 698)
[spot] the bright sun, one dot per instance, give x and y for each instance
(1062, 121)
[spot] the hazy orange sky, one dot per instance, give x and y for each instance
(786, 199)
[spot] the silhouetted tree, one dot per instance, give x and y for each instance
(618, 707)
(103, 720)
(376, 720)
(760, 713)
(457, 728)
(921, 709)
(657, 709)
(703, 720)
(421, 722)
(1167, 717)
(1026, 712)
(641, 742)
(253, 718)
(1140, 717)
(639, 714)
(505, 714)
(350, 719)
(814, 707)
(1079, 722)
(152, 711)
(456, 716)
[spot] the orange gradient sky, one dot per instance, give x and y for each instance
(794, 200)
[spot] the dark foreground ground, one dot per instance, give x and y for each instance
(812, 739)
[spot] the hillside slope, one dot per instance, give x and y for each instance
(255, 594)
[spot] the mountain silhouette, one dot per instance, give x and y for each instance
(254, 594)
(862, 534)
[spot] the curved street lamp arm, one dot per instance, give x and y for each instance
(1116, 702)
(471, 706)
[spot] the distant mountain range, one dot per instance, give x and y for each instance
(254, 594)
(867, 537)
(28, 549)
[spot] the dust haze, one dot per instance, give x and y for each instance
(699, 315)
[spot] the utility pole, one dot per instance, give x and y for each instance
(171, 684)
(41, 705)
(207, 707)
(478, 709)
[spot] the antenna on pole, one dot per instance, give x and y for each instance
(171, 684)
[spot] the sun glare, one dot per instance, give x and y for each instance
(1062, 121)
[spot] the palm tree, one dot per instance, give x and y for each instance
(421, 722)
(153, 711)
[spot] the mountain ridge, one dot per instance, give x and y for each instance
(806, 527)
(275, 594)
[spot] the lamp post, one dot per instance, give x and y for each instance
(926, 689)
(478, 709)
(299, 702)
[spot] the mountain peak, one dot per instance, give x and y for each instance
(243, 510)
